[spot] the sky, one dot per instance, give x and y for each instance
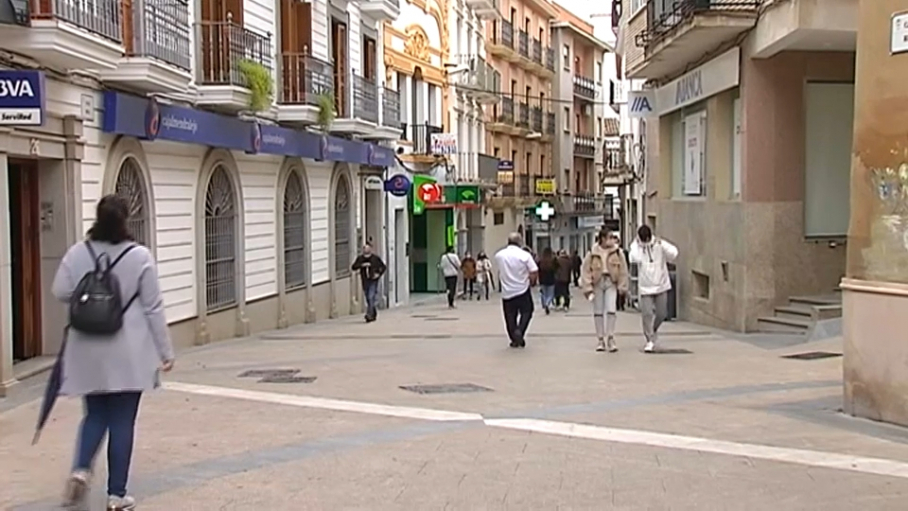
(584, 8)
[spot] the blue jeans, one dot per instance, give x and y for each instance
(370, 289)
(547, 293)
(113, 414)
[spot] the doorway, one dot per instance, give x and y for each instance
(401, 282)
(25, 252)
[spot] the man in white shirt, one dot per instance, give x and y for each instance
(449, 264)
(652, 255)
(517, 273)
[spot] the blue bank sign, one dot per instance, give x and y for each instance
(22, 98)
(143, 118)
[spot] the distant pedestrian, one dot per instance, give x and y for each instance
(111, 371)
(450, 268)
(370, 268)
(468, 269)
(483, 275)
(548, 267)
(576, 263)
(563, 277)
(652, 256)
(604, 279)
(517, 273)
(622, 297)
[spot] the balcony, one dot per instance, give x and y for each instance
(157, 47)
(542, 59)
(303, 79)
(584, 146)
(523, 45)
(501, 42)
(484, 9)
(69, 34)
(389, 128)
(220, 48)
(583, 203)
(615, 160)
(502, 120)
(419, 137)
(381, 10)
(536, 120)
(680, 31)
(362, 119)
(584, 88)
(523, 116)
(476, 79)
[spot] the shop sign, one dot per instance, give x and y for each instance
(373, 183)
(717, 75)
(545, 187)
(505, 165)
(899, 33)
(398, 185)
(545, 211)
(641, 103)
(22, 98)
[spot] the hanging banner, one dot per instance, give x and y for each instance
(693, 148)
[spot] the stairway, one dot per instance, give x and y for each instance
(801, 314)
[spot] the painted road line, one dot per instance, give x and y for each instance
(875, 466)
(324, 403)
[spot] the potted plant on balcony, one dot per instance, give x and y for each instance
(260, 84)
(326, 111)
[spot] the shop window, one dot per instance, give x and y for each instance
(131, 186)
(342, 228)
(294, 232)
(220, 242)
(498, 218)
(688, 144)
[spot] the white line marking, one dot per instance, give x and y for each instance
(875, 466)
(324, 403)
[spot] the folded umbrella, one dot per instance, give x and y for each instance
(54, 382)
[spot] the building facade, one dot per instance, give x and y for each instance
(747, 152)
(242, 140)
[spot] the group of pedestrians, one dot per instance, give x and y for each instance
(556, 272)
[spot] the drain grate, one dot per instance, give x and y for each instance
(812, 355)
(282, 378)
(672, 351)
(265, 373)
(447, 388)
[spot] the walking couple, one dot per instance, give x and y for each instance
(604, 279)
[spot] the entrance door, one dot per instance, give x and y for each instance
(26, 259)
(400, 256)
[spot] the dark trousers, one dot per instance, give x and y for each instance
(563, 293)
(114, 415)
(518, 311)
(370, 290)
(451, 286)
(469, 285)
(576, 275)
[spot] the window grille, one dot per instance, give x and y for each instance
(294, 233)
(131, 187)
(342, 228)
(220, 242)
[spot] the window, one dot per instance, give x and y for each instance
(542, 171)
(736, 150)
(498, 218)
(496, 151)
(567, 119)
(294, 233)
(827, 180)
(598, 76)
(577, 130)
(566, 53)
(342, 228)
(131, 186)
(514, 157)
(599, 127)
(513, 88)
(688, 150)
(529, 161)
(370, 69)
(220, 242)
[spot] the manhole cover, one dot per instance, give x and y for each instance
(671, 351)
(264, 373)
(442, 319)
(286, 378)
(812, 355)
(448, 388)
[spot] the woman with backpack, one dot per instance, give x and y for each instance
(115, 347)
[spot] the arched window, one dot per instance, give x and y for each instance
(294, 232)
(342, 228)
(131, 187)
(220, 242)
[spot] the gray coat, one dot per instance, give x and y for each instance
(131, 358)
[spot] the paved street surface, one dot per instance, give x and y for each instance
(719, 423)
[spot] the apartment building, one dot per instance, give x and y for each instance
(750, 109)
(587, 132)
(243, 134)
(521, 128)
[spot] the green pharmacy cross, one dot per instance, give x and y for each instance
(545, 211)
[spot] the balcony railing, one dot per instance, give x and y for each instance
(222, 45)
(550, 59)
(537, 53)
(664, 15)
(503, 33)
(587, 202)
(365, 99)
(614, 156)
(480, 76)
(584, 87)
(100, 17)
(158, 29)
(420, 135)
(536, 119)
(304, 78)
(504, 113)
(550, 123)
(584, 146)
(523, 116)
(523, 44)
(390, 108)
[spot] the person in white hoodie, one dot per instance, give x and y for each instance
(652, 256)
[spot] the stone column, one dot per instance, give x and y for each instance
(875, 290)
(6, 285)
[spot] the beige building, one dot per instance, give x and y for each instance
(876, 286)
(749, 110)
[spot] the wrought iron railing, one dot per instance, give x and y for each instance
(222, 45)
(100, 17)
(550, 123)
(523, 115)
(365, 99)
(536, 119)
(504, 113)
(304, 78)
(664, 15)
(420, 135)
(550, 59)
(158, 29)
(536, 53)
(584, 146)
(584, 87)
(614, 155)
(390, 108)
(523, 44)
(503, 33)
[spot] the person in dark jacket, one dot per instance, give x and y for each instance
(576, 263)
(370, 268)
(548, 266)
(563, 280)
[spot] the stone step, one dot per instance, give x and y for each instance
(808, 312)
(832, 299)
(773, 324)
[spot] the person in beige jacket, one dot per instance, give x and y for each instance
(603, 277)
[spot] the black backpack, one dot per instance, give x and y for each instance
(95, 306)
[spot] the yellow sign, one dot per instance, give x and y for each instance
(545, 187)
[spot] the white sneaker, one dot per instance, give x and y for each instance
(650, 347)
(601, 345)
(612, 345)
(75, 496)
(115, 503)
